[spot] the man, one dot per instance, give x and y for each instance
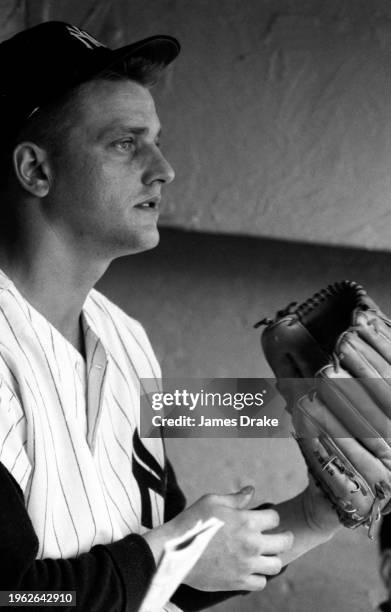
(87, 505)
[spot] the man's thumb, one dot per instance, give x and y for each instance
(240, 499)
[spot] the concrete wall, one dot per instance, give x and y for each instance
(198, 296)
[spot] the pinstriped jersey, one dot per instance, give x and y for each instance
(69, 428)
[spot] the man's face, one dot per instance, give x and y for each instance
(108, 176)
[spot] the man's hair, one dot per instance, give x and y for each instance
(49, 125)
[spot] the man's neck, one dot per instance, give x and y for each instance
(56, 283)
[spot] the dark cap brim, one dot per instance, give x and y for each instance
(157, 49)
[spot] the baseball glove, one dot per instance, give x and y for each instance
(331, 356)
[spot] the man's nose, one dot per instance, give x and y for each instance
(158, 169)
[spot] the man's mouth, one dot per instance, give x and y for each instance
(152, 204)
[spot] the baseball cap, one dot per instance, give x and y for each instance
(42, 63)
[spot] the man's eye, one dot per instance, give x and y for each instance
(125, 145)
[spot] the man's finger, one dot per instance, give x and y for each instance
(255, 583)
(274, 544)
(263, 520)
(270, 566)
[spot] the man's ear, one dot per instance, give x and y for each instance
(385, 568)
(32, 168)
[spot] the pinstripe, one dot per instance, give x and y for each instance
(61, 486)
(126, 352)
(112, 358)
(33, 373)
(131, 363)
(56, 537)
(120, 370)
(115, 361)
(146, 467)
(51, 432)
(124, 377)
(155, 374)
(33, 470)
(66, 424)
(15, 460)
(49, 404)
(5, 438)
(108, 492)
(19, 421)
(24, 475)
(55, 456)
(34, 463)
(104, 498)
(119, 480)
(145, 393)
(54, 353)
(121, 410)
(107, 313)
(12, 395)
(9, 371)
(118, 441)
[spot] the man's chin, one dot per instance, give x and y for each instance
(144, 242)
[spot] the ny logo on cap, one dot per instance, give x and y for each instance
(88, 41)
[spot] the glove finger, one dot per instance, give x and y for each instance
(349, 402)
(360, 357)
(291, 349)
(294, 388)
(375, 331)
(318, 427)
(364, 362)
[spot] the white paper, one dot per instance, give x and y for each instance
(179, 556)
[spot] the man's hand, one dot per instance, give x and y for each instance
(240, 555)
(320, 516)
(311, 519)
